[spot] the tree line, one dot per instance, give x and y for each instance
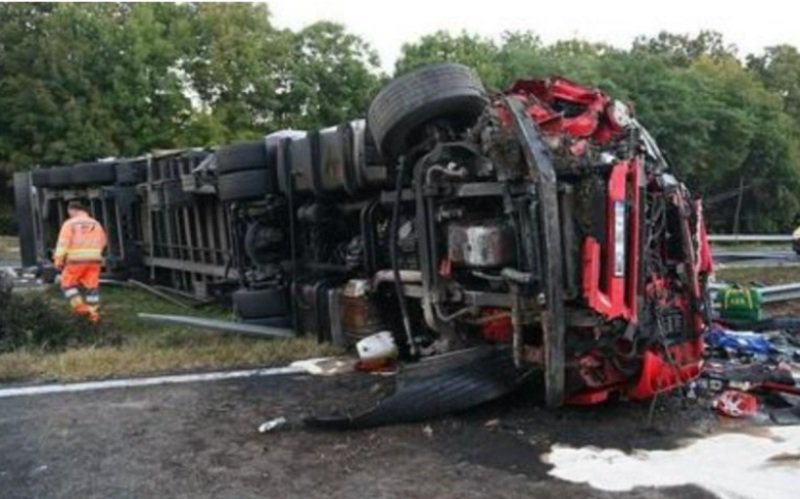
(83, 81)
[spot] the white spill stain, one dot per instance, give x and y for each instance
(730, 465)
(326, 366)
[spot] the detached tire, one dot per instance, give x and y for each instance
(260, 303)
(438, 91)
(248, 184)
(242, 156)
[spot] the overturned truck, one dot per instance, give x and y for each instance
(540, 227)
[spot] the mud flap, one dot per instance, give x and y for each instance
(436, 386)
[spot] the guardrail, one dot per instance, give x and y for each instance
(752, 238)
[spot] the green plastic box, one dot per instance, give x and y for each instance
(739, 303)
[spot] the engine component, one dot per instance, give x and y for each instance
(481, 244)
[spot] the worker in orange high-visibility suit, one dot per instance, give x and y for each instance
(79, 256)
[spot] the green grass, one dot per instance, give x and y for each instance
(127, 346)
(9, 248)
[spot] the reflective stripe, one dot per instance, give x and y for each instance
(70, 292)
(92, 297)
(81, 239)
(84, 254)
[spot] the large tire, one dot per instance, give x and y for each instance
(242, 156)
(60, 176)
(259, 303)
(131, 173)
(438, 91)
(97, 173)
(248, 184)
(24, 213)
(40, 177)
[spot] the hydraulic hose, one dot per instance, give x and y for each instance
(398, 284)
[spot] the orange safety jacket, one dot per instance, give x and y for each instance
(82, 239)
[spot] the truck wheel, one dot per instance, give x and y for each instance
(248, 184)
(258, 303)
(60, 176)
(93, 173)
(24, 212)
(40, 177)
(438, 91)
(242, 156)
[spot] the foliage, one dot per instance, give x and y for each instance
(29, 320)
(82, 81)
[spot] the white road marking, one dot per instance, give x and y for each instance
(24, 391)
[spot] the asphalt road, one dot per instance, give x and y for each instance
(200, 440)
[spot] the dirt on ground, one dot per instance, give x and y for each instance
(201, 440)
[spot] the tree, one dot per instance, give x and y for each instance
(471, 50)
(329, 78)
(682, 50)
(232, 68)
(779, 69)
(83, 81)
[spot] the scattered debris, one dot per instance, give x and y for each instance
(739, 303)
(736, 404)
(272, 424)
(738, 342)
(326, 366)
(377, 352)
(435, 386)
(752, 368)
(220, 325)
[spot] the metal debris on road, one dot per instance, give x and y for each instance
(220, 325)
(272, 424)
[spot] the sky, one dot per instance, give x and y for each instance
(387, 25)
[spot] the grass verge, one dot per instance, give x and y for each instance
(9, 248)
(126, 346)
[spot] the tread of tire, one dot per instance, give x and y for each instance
(242, 156)
(429, 92)
(247, 184)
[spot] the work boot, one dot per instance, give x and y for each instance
(80, 309)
